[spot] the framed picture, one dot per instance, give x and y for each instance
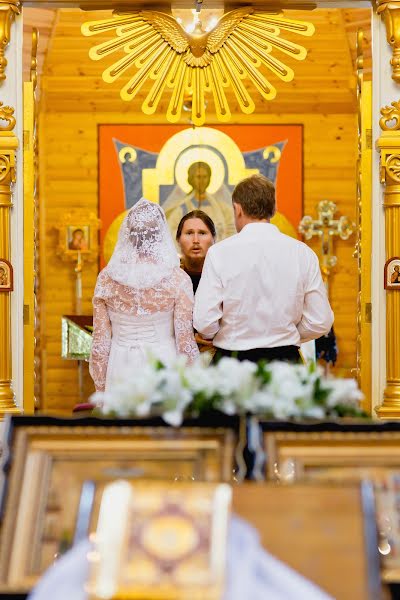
(392, 274)
(6, 276)
(345, 452)
(47, 461)
(183, 168)
(78, 235)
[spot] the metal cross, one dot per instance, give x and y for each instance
(326, 227)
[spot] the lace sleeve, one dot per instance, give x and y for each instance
(183, 318)
(101, 344)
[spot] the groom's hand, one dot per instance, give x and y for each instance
(202, 341)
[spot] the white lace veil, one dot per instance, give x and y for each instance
(144, 253)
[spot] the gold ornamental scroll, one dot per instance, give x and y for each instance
(8, 147)
(8, 10)
(389, 146)
(390, 13)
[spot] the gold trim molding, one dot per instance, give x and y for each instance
(8, 147)
(389, 147)
(8, 10)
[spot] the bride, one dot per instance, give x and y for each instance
(142, 302)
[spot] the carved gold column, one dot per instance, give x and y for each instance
(8, 10)
(8, 146)
(389, 146)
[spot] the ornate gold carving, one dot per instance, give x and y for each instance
(390, 119)
(5, 167)
(8, 146)
(34, 64)
(392, 167)
(389, 146)
(201, 62)
(7, 170)
(390, 13)
(389, 168)
(8, 10)
(326, 228)
(7, 114)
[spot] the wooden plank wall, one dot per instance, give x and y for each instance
(68, 180)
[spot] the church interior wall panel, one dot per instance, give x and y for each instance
(69, 181)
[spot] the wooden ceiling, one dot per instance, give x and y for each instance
(323, 83)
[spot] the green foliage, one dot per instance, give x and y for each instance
(321, 394)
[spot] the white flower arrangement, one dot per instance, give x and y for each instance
(273, 390)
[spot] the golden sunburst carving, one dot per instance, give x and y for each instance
(239, 48)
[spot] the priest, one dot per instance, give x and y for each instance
(196, 233)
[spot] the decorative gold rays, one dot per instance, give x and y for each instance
(239, 48)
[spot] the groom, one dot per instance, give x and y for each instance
(261, 292)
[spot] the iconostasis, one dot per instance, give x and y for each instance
(99, 155)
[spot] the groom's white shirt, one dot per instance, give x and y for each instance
(261, 289)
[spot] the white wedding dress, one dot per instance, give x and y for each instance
(143, 301)
(136, 337)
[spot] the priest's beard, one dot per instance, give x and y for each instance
(195, 265)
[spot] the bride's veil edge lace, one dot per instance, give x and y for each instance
(144, 254)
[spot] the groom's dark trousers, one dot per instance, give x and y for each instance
(285, 353)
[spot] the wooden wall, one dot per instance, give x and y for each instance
(68, 180)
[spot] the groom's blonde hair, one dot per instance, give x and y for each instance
(256, 196)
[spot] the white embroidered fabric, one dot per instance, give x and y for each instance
(145, 252)
(150, 311)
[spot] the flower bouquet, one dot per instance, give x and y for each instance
(275, 390)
